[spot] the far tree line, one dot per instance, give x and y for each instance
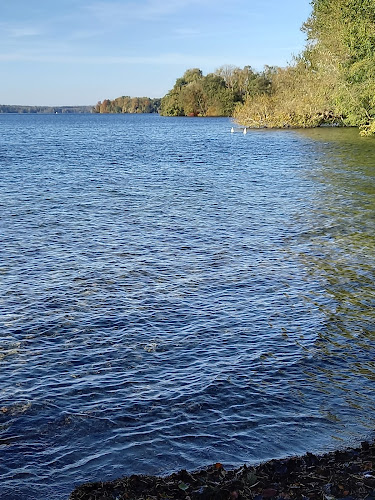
(10, 108)
(194, 94)
(126, 104)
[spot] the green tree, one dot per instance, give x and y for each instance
(215, 94)
(126, 104)
(341, 34)
(333, 80)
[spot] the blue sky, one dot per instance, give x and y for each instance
(70, 52)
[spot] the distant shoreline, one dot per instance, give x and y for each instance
(19, 109)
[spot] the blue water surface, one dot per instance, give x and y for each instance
(174, 295)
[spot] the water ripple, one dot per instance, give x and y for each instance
(173, 295)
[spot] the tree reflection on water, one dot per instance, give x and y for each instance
(338, 249)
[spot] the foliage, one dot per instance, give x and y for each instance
(332, 81)
(345, 30)
(6, 108)
(297, 98)
(215, 94)
(126, 104)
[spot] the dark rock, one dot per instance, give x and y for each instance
(341, 475)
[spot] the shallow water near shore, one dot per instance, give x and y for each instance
(174, 295)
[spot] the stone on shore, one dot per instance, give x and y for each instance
(342, 475)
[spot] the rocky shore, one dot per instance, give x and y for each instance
(346, 474)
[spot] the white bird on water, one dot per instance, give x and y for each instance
(244, 130)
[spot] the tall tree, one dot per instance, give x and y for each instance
(333, 80)
(215, 94)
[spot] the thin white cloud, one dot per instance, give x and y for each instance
(160, 59)
(11, 57)
(84, 34)
(20, 31)
(146, 10)
(186, 32)
(23, 32)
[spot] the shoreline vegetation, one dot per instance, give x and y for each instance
(127, 104)
(341, 475)
(14, 108)
(216, 94)
(194, 94)
(332, 82)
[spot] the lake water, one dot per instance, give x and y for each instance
(174, 295)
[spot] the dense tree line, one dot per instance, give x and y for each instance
(126, 104)
(215, 94)
(6, 108)
(332, 81)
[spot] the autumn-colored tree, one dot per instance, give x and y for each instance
(341, 34)
(332, 81)
(126, 104)
(212, 95)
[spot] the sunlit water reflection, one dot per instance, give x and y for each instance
(173, 295)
